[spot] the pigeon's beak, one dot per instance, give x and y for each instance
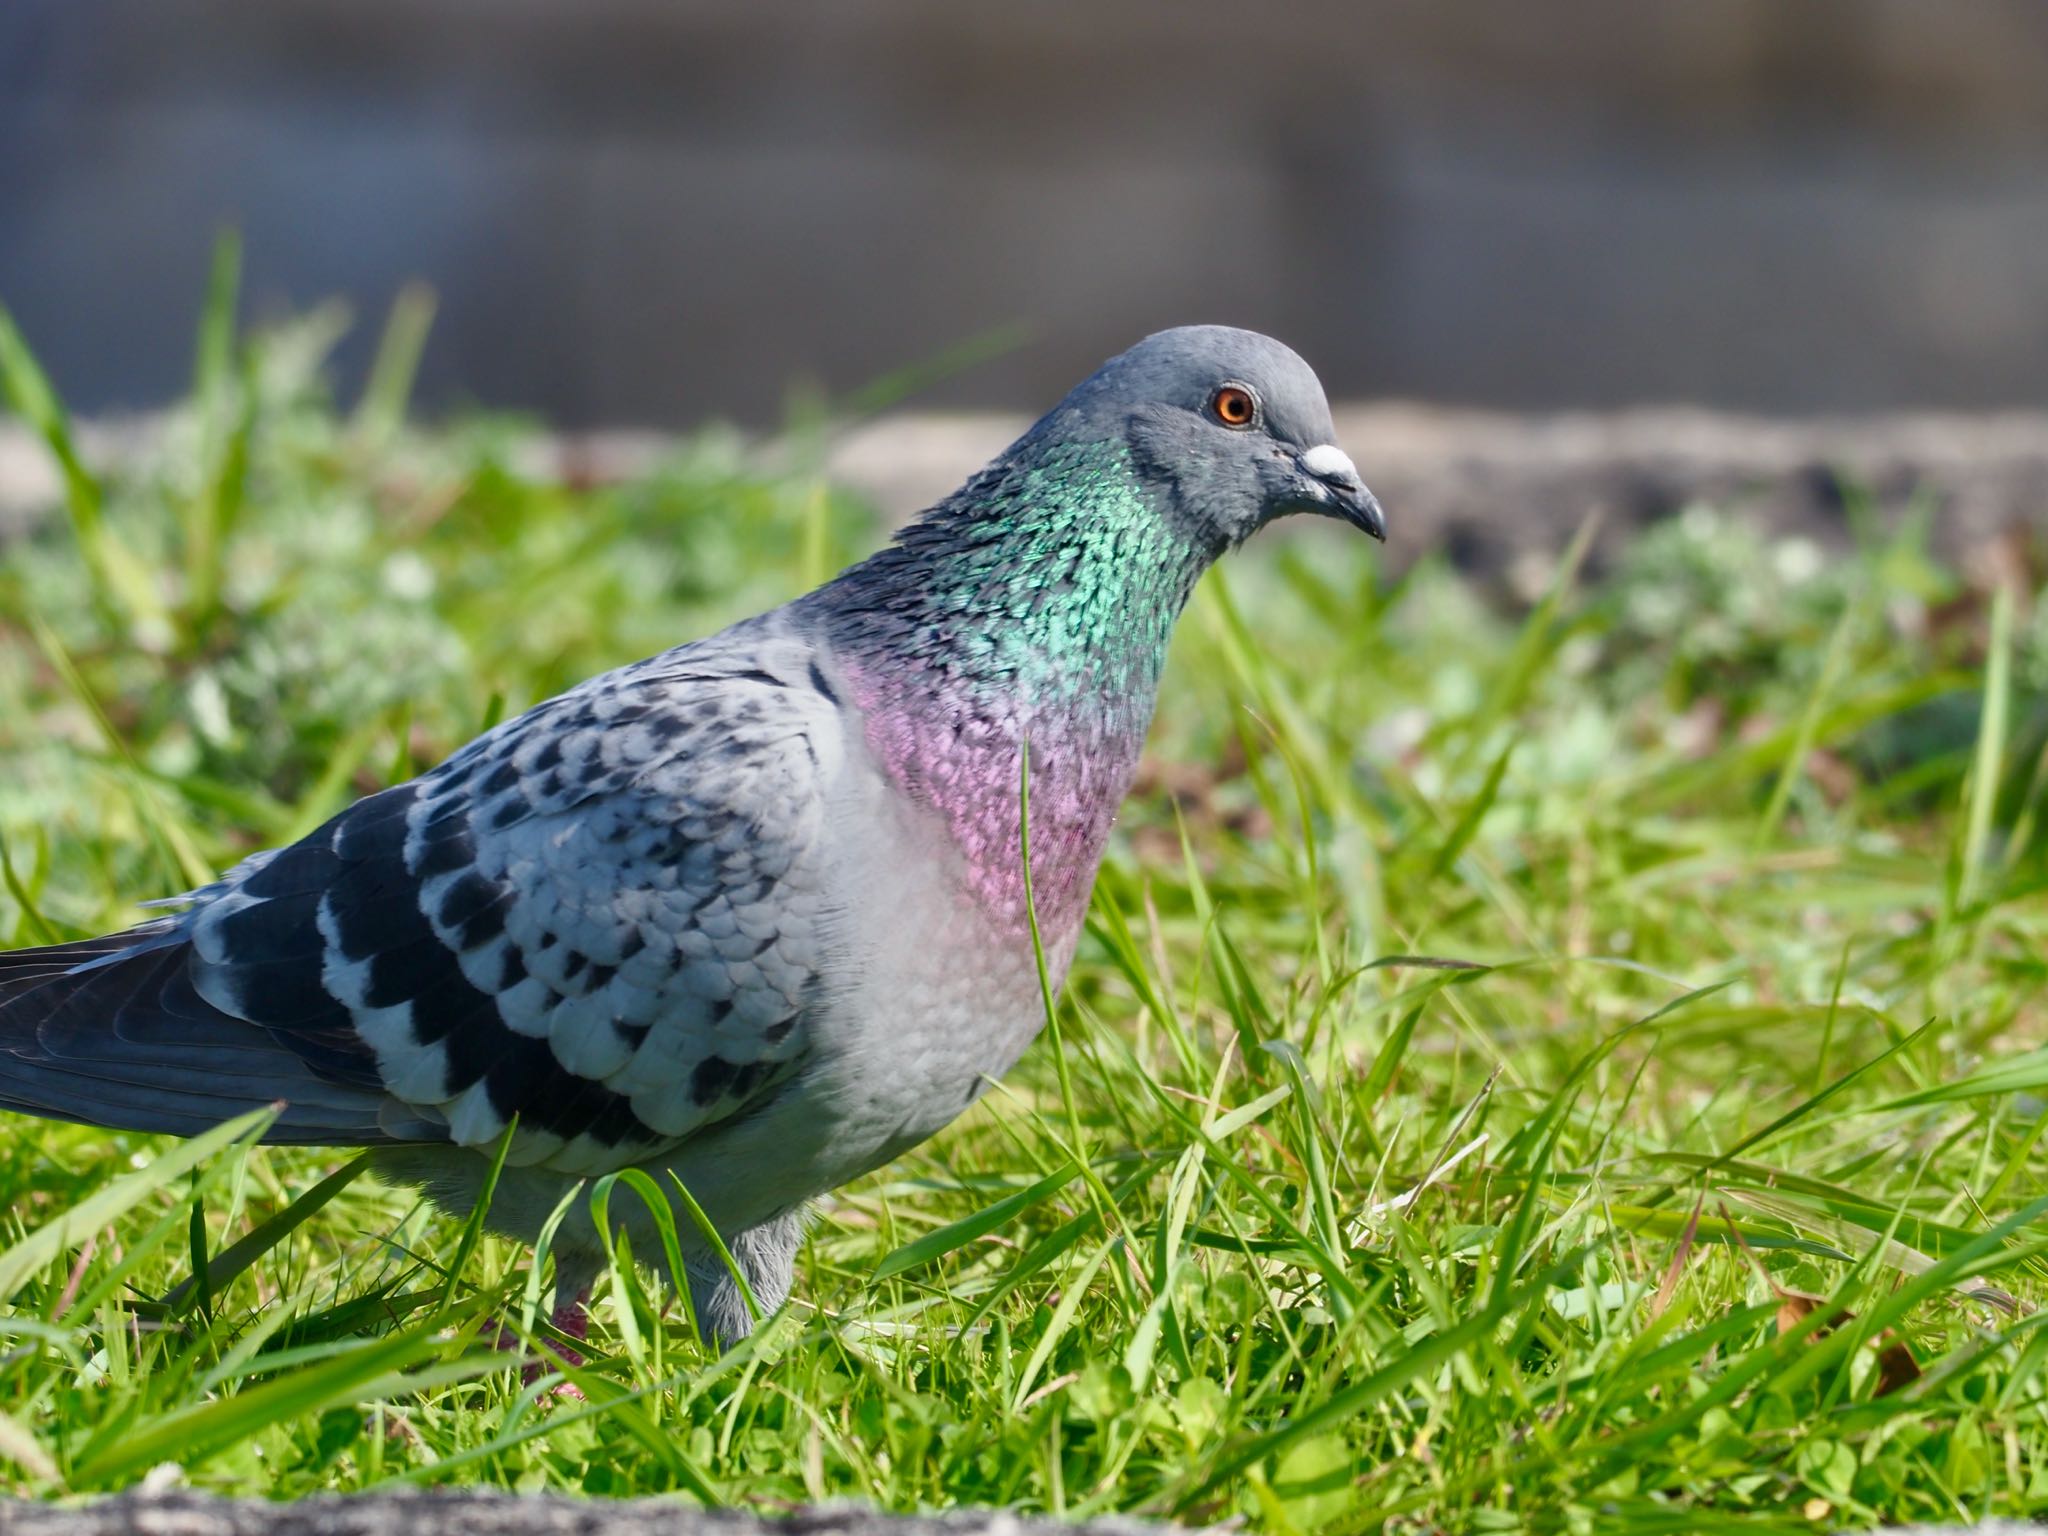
(1335, 490)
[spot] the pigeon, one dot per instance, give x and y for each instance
(754, 914)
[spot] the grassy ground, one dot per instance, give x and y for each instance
(1693, 1179)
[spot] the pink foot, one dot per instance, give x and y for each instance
(572, 1318)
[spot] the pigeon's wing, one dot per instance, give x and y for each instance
(110, 1031)
(602, 917)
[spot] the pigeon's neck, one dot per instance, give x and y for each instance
(1031, 609)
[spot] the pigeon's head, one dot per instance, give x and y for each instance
(1231, 424)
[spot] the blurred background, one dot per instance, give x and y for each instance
(644, 212)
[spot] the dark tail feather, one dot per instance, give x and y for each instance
(109, 1032)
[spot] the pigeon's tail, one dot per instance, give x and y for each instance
(110, 1032)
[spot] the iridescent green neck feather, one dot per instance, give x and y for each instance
(1035, 604)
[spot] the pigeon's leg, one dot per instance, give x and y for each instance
(574, 1276)
(766, 1255)
(573, 1318)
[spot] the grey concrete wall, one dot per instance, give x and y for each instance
(644, 211)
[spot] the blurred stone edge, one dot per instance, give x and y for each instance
(1501, 494)
(491, 1513)
(486, 1512)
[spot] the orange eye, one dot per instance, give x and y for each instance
(1234, 405)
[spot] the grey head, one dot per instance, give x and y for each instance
(1231, 424)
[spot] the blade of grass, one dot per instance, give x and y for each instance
(387, 392)
(192, 1435)
(235, 1259)
(479, 1214)
(1986, 767)
(1808, 730)
(958, 1234)
(93, 1213)
(716, 1244)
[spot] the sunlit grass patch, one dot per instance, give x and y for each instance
(1568, 1068)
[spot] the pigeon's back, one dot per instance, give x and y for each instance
(602, 918)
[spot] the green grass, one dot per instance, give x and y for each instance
(1564, 1069)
